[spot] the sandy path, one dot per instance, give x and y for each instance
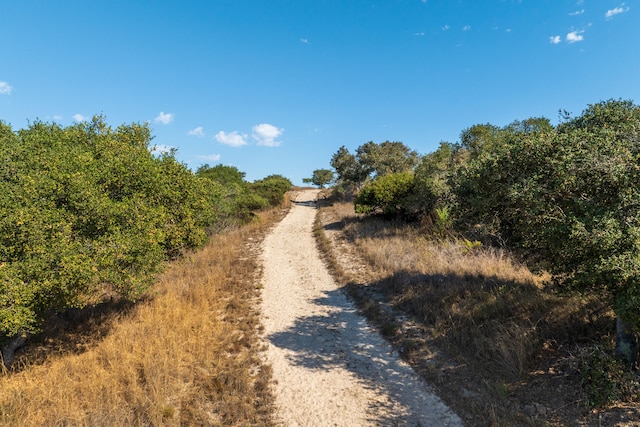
(331, 368)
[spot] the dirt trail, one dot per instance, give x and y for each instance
(331, 368)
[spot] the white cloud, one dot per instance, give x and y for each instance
(419, 34)
(445, 27)
(79, 118)
(555, 39)
(199, 132)
(211, 157)
(616, 11)
(266, 134)
(233, 139)
(161, 149)
(5, 88)
(466, 28)
(575, 36)
(577, 12)
(164, 118)
(304, 40)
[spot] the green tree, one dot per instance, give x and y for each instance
(370, 161)
(347, 167)
(570, 195)
(478, 139)
(432, 187)
(386, 158)
(272, 188)
(225, 175)
(234, 199)
(321, 177)
(87, 210)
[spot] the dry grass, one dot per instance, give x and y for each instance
(187, 355)
(486, 310)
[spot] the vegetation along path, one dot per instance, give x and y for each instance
(329, 366)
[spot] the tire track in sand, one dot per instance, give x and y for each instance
(330, 367)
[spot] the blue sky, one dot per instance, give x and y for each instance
(277, 86)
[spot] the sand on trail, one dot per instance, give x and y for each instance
(330, 367)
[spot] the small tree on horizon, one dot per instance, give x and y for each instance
(321, 178)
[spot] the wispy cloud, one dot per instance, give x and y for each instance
(577, 12)
(164, 118)
(199, 132)
(266, 134)
(445, 27)
(555, 39)
(466, 28)
(232, 139)
(304, 40)
(419, 34)
(5, 88)
(210, 157)
(575, 36)
(616, 11)
(79, 117)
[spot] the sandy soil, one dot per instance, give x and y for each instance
(331, 368)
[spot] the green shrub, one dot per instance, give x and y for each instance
(87, 210)
(387, 194)
(272, 189)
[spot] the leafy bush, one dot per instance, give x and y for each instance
(225, 175)
(231, 194)
(87, 210)
(387, 194)
(237, 199)
(570, 195)
(272, 189)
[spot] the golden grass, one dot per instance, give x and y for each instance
(479, 300)
(485, 308)
(188, 355)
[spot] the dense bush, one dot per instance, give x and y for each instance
(88, 211)
(234, 199)
(370, 162)
(571, 196)
(387, 194)
(271, 188)
(566, 196)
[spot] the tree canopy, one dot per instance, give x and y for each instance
(87, 211)
(321, 177)
(568, 195)
(225, 175)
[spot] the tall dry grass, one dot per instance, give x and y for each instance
(486, 309)
(186, 355)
